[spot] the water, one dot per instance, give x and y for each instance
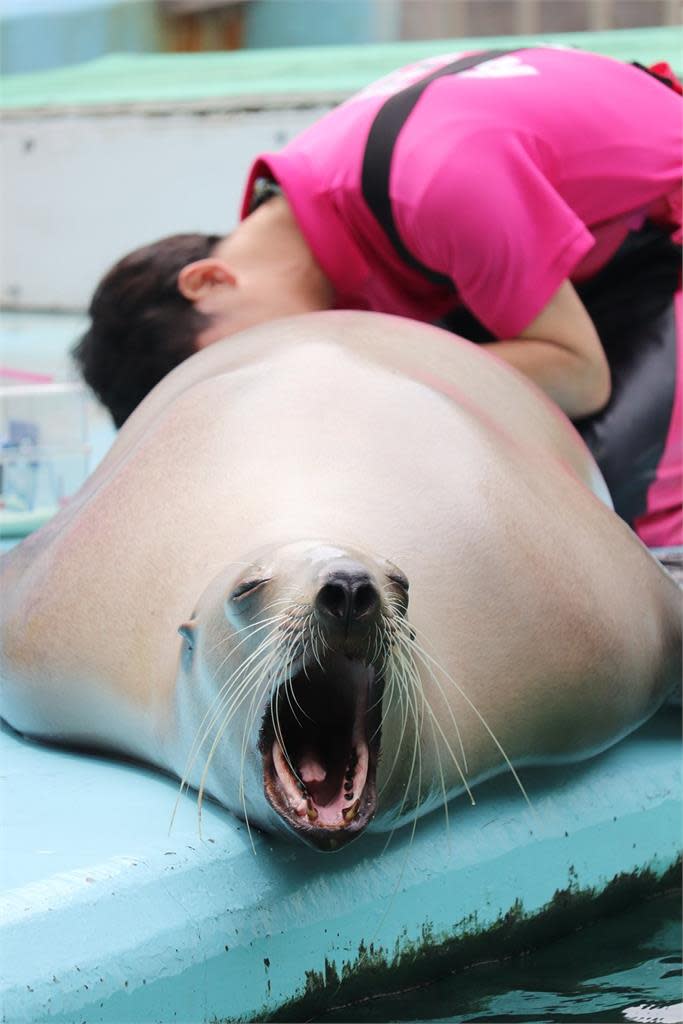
(623, 968)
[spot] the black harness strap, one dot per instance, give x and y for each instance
(379, 149)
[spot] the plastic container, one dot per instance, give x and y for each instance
(44, 449)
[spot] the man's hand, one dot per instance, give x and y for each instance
(561, 352)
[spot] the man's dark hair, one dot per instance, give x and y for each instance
(141, 324)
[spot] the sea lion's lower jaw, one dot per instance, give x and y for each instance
(319, 741)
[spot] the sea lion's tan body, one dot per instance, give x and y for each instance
(375, 435)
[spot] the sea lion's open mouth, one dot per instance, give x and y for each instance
(320, 741)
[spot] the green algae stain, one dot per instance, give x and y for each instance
(413, 962)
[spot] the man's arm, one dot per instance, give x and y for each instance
(561, 352)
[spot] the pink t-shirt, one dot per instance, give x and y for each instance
(508, 178)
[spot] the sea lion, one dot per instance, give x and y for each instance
(334, 570)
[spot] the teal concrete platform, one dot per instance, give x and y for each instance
(106, 917)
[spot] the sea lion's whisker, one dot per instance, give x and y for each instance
(244, 633)
(417, 749)
(249, 630)
(410, 636)
(237, 700)
(427, 657)
(284, 596)
(378, 658)
(461, 770)
(233, 682)
(386, 697)
(265, 671)
(382, 654)
(214, 711)
(216, 706)
(419, 647)
(296, 701)
(432, 721)
(285, 600)
(216, 740)
(323, 641)
(247, 729)
(372, 707)
(412, 704)
(378, 642)
(287, 660)
(234, 678)
(317, 635)
(249, 723)
(290, 692)
(383, 700)
(277, 728)
(419, 721)
(264, 668)
(404, 708)
(247, 691)
(436, 724)
(308, 642)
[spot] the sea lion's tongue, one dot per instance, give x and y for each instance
(310, 768)
(318, 795)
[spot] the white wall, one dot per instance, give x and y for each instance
(79, 189)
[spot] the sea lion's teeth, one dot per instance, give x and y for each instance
(289, 783)
(311, 812)
(349, 813)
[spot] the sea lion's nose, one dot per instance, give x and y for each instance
(347, 597)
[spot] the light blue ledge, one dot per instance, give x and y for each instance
(107, 917)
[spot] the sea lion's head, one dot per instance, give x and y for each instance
(290, 651)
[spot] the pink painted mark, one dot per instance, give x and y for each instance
(25, 376)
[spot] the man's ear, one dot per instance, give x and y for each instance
(197, 279)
